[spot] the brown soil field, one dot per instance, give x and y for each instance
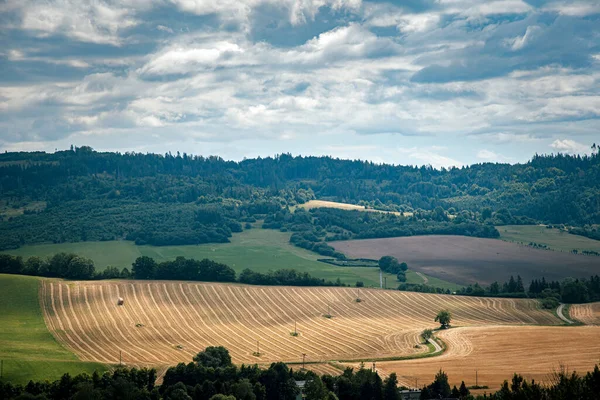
(589, 313)
(496, 353)
(165, 322)
(466, 260)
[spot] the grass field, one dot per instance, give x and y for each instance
(554, 238)
(497, 352)
(465, 260)
(413, 278)
(28, 349)
(164, 322)
(258, 249)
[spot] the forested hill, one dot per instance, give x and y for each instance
(81, 194)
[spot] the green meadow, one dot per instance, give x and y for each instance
(258, 249)
(28, 350)
(554, 238)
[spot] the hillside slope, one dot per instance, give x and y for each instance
(164, 322)
(467, 260)
(28, 349)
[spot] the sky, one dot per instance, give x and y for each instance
(411, 82)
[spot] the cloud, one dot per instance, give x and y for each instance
(164, 29)
(97, 22)
(508, 137)
(299, 12)
(487, 81)
(519, 42)
(569, 146)
(181, 60)
(429, 155)
(490, 156)
(574, 8)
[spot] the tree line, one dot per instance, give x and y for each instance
(550, 293)
(213, 376)
(83, 195)
(72, 266)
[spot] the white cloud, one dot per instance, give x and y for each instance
(164, 29)
(97, 22)
(508, 137)
(418, 22)
(486, 8)
(519, 42)
(239, 10)
(569, 146)
(487, 155)
(574, 8)
(490, 156)
(17, 55)
(427, 156)
(181, 60)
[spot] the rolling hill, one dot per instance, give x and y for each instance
(165, 322)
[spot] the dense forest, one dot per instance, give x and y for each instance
(212, 376)
(80, 195)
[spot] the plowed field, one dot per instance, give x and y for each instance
(163, 323)
(466, 260)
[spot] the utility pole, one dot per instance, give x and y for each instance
(380, 278)
(417, 383)
(303, 359)
(120, 358)
(257, 348)
(295, 331)
(385, 282)
(476, 379)
(328, 310)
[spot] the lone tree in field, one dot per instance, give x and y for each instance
(444, 317)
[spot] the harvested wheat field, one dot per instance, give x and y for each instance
(345, 206)
(498, 352)
(466, 260)
(165, 322)
(589, 313)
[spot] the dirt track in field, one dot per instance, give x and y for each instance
(165, 322)
(466, 260)
(498, 352)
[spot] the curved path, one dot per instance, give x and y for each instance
(435, 344)
(559, 312)
(425, 279)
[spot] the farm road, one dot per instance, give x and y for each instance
(425, 279)
(435, 344)
(559, 312)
